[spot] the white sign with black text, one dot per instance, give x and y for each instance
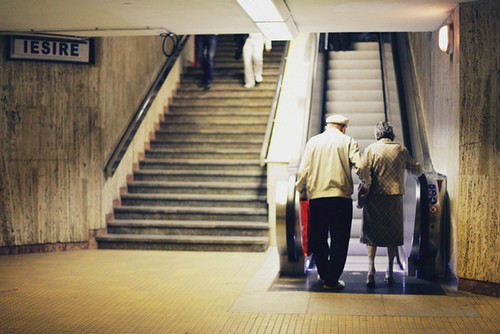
(51, 49)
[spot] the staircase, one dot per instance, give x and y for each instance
(200, 186)
(354, 89)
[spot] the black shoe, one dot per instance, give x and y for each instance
(208, 86)
(340, 285)
(370, 281)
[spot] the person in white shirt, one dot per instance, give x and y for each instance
(253, 59)
(324, 177)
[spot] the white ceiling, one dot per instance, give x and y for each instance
(131, 17)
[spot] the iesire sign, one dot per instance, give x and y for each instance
(51, 49)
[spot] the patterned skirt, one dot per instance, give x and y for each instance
(383, 221)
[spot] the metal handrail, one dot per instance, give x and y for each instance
(123, 143)
(272, 116)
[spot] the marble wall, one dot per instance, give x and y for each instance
(460, 100)
(58, 123)
(479, 214)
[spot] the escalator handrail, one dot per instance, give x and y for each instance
(382, 71)
(420, 244)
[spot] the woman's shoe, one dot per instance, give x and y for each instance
(389, 278)
(370, 281)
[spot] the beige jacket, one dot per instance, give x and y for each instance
(385, 162)
(325, 170)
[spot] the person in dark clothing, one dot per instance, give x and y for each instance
(239, 41)
(205, 55)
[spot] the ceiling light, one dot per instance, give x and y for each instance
(272, 17)
(445, 38)
(265, 10)
(279, 31)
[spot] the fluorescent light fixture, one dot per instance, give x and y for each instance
(445, 38)
(265, 10)
(272, 17)
(279, 31)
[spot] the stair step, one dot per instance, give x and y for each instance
(227, 45)
(356, 227)
(342, 107)
(196, 153)
(215, 109)
(355, 95)
(238, 74)
(233, 68)
(183, 242)
(364, 119)
(201, 133)
(243, 117)
(354, 84)
(183, 187)
(224, 94)
(193, 227)
(224, 125)
(191, 213)
(253, 175)
(198, 164)
(356, 247)
(366, 46)
(373, 64)
(222, 87)
(175, 136)
(360, 132)
(348, 55)
(236, 201)
(234, 79)
(210, 142)
(231, 72)
(211, 130)
(220, 102)
(355, 74)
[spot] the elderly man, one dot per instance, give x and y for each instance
(325, 173)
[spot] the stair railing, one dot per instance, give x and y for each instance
(272, 115)
(127, 135)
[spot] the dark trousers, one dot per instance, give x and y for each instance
(330, 216)
(205, 55)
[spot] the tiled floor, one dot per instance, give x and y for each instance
(186, 292)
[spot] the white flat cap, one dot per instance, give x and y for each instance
(337, 119)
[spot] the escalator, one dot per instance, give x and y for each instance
(367, 85)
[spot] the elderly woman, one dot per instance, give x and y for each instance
(385, 162)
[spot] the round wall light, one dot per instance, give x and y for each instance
(445, 39)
